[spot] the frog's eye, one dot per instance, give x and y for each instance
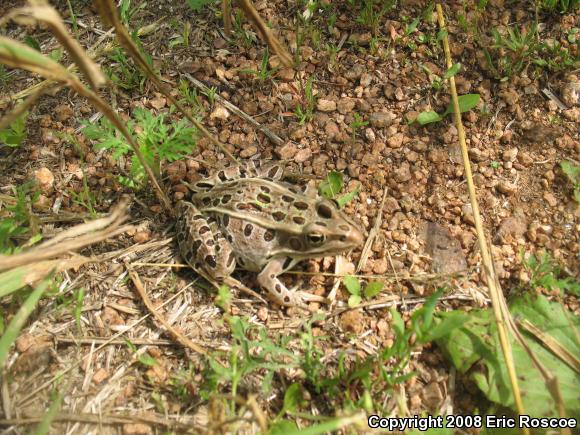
(316, 239)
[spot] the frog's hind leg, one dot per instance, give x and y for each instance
(201, 243)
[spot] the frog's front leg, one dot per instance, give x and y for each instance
(201, 243)
(268, 279)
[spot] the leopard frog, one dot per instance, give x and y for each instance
(248, 216)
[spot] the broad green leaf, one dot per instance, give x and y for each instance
(452, 71)
(466, 103)
(12, 280)
(283, 427)
(474, 348)
(428, 117)
(443, 328)
(354, 301)
(373, 289)
(572, 171)
(147, 360)
(352, 284)
(292, 399)
(348, 197)
(332, 185)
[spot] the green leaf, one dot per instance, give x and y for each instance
(466, 103)
(354, 301)
(283, 427)
(428, 117)
(452, 71)
(292, 399)
(411, 27)
(474, 349)
(348, 197)
(32, 42)
(352, 285)
(19, 320)
(332, 185)
(444, 327)
(373, 288)
(147, 360)
(572, 171)
(198, 5)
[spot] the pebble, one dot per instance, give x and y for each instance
(550, 199)
(303, 155)
(288, 151)
(396, 141)
(326, 105)
(248, 152)
(382, 119)
(63, 112)
(506, 187)
(44, 179)
(345, 105)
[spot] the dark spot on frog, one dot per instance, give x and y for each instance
(269, 235)
(299, 220)
(204, 185)
(324, 211)
(295, 244)
(264, 198)
(278, 216)
(248, 230)
(225, 220)
(206, 200)
(278, 288)
(287, 263)
(198, 217)
(226, 198)
(322, 224)
(195, 246)
(222, 175)
(265, 189)
(287, 299)
(231, 259)
(210, 242)
(203, 229)
(216, 202)
(301, 205)
(287, 198)
(344, 228)
(210, 261)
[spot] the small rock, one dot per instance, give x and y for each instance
(572, 114)
(506, 187)
(219, 43)
(352, 321)
(249, 151)
(63, 112)
(570, 91)
(326, 105)
(550, 199)
(44, 179)
(510, 96)
(158, 102)
(99, 376)
(514, 227)
(331, 129)
(288, 151)
(510, 155)
(136, 429)
(396, 141)
(346, 105)
(298, 133)
(142, 237)
(382, 119)
(444, 249)
(380, 266)
(286, 74)
(220, 113)
(176, 171)
(303, 155)
(467, 214)
(370, 134)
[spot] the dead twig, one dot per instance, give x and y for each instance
(269, 133)
(47, 251)
(182, 339)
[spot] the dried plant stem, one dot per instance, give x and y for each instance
(502, 316)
